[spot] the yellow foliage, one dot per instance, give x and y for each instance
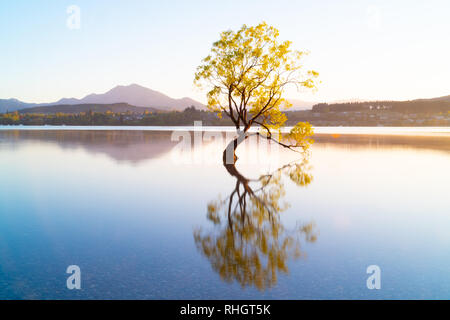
(246, 75)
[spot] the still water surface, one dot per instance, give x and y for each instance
(144, 221)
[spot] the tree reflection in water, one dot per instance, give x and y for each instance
(249, 243)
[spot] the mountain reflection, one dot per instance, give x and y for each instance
(248, 242)
(120, 145)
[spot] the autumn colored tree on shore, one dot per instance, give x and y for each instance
(246, 75)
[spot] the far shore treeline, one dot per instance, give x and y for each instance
(415, 106)
(381, 113)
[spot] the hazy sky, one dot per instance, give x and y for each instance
(362, 49)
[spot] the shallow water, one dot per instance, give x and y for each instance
(145, 221)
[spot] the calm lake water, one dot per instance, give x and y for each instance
(146, 217)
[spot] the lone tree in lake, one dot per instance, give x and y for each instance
(246, 75)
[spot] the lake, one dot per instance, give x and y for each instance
(152, 213)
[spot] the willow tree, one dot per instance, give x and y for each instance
(246, 75)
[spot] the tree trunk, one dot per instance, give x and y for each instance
(229, 154)
(229, 157)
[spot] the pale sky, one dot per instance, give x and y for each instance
(362, 49)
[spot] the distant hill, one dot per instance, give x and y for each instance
(445, 98)
(13, 105)
(134, 95)
(77, 108)
(300, 104)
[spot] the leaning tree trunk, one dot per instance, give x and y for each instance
(229, 154)
(229, 162)
(229, 157)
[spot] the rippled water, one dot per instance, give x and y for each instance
(145, 219)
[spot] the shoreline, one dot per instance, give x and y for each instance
(434, 131)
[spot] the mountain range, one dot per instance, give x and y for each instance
(77, 108)
(133, 95)
(13, 105)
